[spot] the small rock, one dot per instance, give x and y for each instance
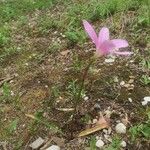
(130, 100)
(37, 143)
(108, 113)
(95, 121)
(53, 147)
(26, 64)
(116, 79)
(12, 93)
(120, 128)
(109, 60)
(105, 131)
(126, 85)
(144, 103)
(86, 98)
(46, 86)
(100, 143)
(123, 144)
(147, 98)
(131, 81)
(122, 83)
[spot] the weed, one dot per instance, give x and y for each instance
(142, 129)
(12, 126)
(4, 35)
(6, 93)
(145, 79)
(93, 143)
(145, 63)
(144, 13)
(115, 145)
(77, 64)
(73, 90)
(85, 119)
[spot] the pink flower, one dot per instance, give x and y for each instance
(104, 45)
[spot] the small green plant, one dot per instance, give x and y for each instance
(77, 64)
(85, 119)
(145, 79)
(142, 129)
(12, 126)
(115, 145)
(93, 143)
(146, 63)
(73, 90)
(6, 92)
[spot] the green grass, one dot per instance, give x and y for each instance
(14, 9)
(141, 129)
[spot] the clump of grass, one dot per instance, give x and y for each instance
(4, 35)
(144, 13)
(14, 9)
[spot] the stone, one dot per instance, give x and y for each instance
(86, 98)
(130, 100)
(109, 60)
(122, 83)
(100, 143)
(120, 128)
(94, 121)
(105, 131)
(37, 143)
(53, 147)
(131, 81)
(123, 144)
(147, 98)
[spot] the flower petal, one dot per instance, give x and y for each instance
(103, 35)
(123, 53)
(91, 32)
(106, 48)
(119, 43)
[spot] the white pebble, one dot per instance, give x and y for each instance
(86, 98)
(105, 131)
(130, 100)
(120, 128)
(144, 103)
(123, 144)
(109, 60)
(53, 147)
(147, 98)
(100, 143)
(122, 83)
(95, 121)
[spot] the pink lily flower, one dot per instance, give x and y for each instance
(104, 45)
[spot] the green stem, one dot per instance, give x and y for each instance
(83, 81)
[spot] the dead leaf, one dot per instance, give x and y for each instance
(101, 124)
